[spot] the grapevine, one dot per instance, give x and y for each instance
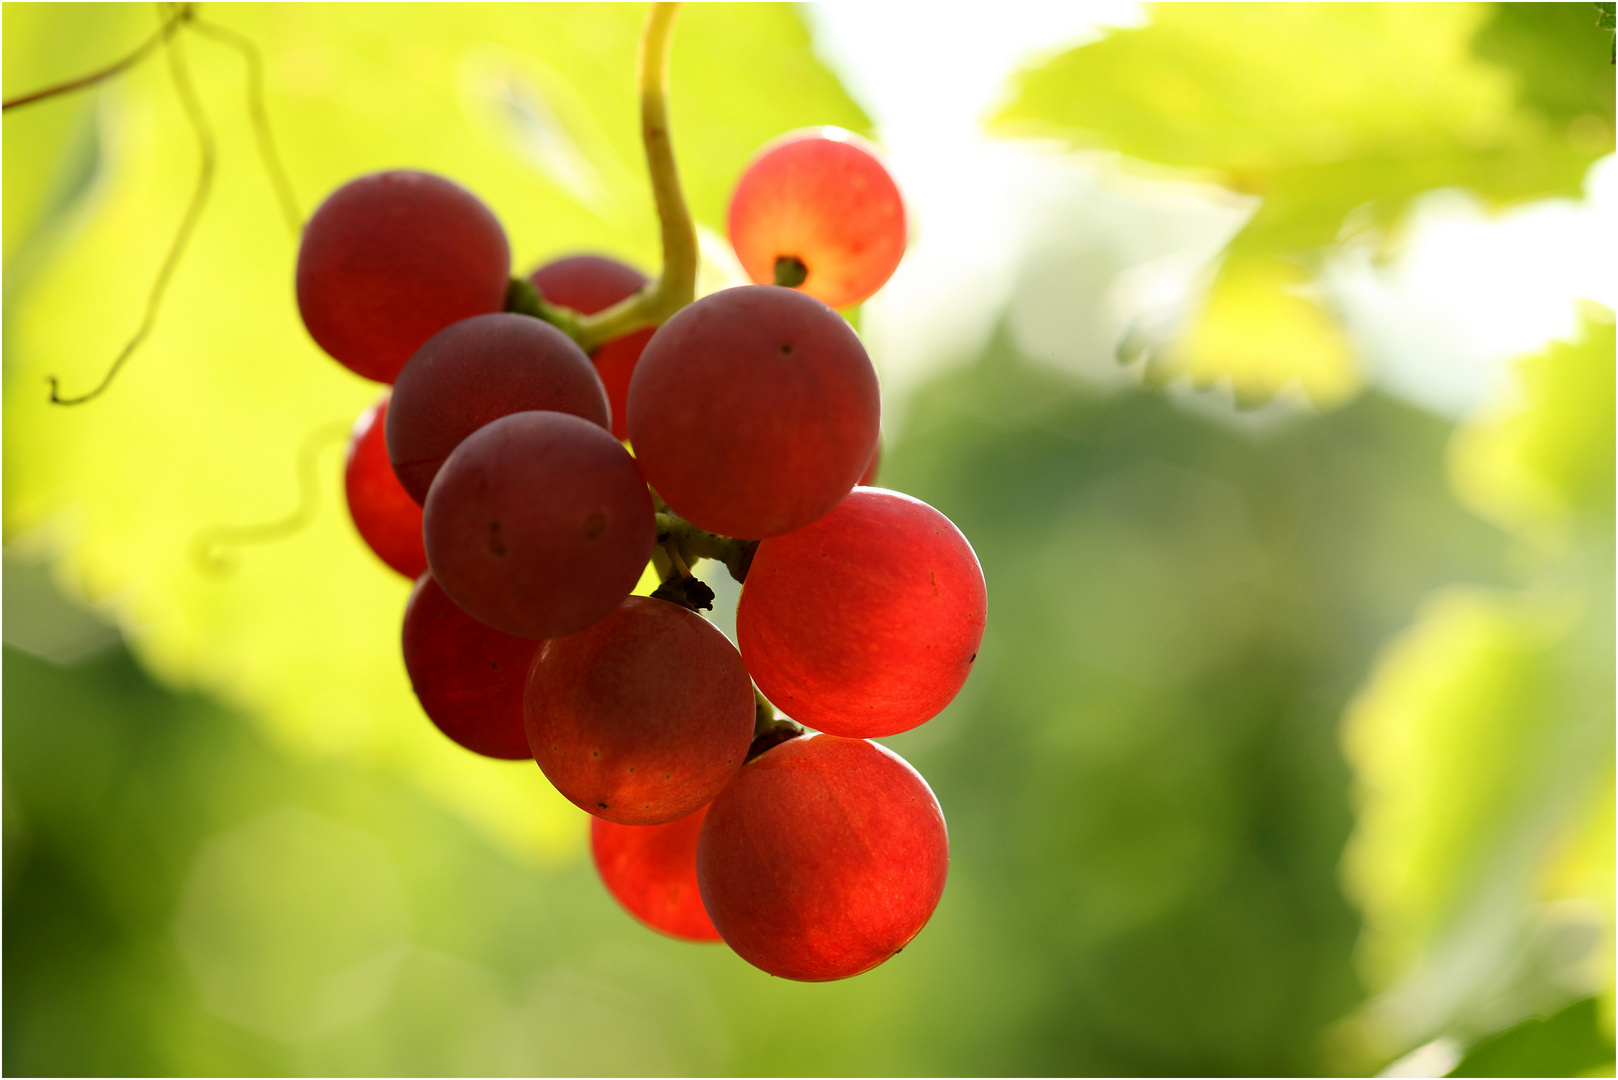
(547, 436)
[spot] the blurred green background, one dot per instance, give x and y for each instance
(1290, 747)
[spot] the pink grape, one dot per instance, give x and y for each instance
(867, 622)
(753, 411)
(588, 284)
(479, 370)
(539, 524)
(390, 259)
(823, 858)
(821, 203)
(652, 871)
(468, 677)
(388, 520)
(642, 718)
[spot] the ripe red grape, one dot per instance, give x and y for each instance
(642, 718)
(652, 870)
(867, 622)
(820, 208)
(823, 858)
(588, 284)
(468, 677)
(478, 370)
(387, 518)
(753, 411)
(390, 259)
(539, 524)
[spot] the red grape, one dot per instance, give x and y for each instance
(821, 198)
(468, 677)
(539, 524)
(753, 411)
(823, 858)
(588, 284)
(867, 622)
(478, 370)
(642, 718)
(652, 870)
(390, 259)
(387, 518)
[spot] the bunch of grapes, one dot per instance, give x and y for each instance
(498, 474)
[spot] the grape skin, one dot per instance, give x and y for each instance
(539, 524)
(479, 370)
(468, 677)
(388, 519)
(652, 871)
(824, 198)
(823, 858)
(867, 622)
(592, 283)
(753, 411)
(644, 717)
(390, 259)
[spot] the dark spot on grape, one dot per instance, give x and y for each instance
(972, 659)
(602, 805)
(496, 545)
(786, 350)
(494, 665)
(595, 525)
(790, 271)
(595, 753)
(632, 768)
(934, 579)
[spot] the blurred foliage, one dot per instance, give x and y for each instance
(1569, 1043)
(203, 426)
(1334, 117)
(1483, 744)
(238, 848)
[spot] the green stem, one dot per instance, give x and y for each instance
(691, 543)
(677, 286)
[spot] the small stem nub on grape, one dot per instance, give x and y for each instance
(790, 271)
(769, 730)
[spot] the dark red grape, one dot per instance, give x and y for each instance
(652, 871)
(867, 622)
(642, 718)
(820, 208)
(387, 518)
(390, 259)
(479, 370)
(753, 411)
(539, 524)
(823, 858)
(588, 284)
(468, 677)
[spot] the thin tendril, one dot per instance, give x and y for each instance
(205, 144)
(206, 546)
(259, 117)
(181, 14)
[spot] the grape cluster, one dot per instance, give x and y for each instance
(497, 473)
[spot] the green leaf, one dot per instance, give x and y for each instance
(1322, 111)
(533, 108)
(1568, 1043)
(1482, 745)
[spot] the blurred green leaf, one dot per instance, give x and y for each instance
(1568, 1043)
(1482, 746)
(533, 107)
(1322, 111)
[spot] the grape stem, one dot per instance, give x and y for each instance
(682, 543)
(677, 286)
